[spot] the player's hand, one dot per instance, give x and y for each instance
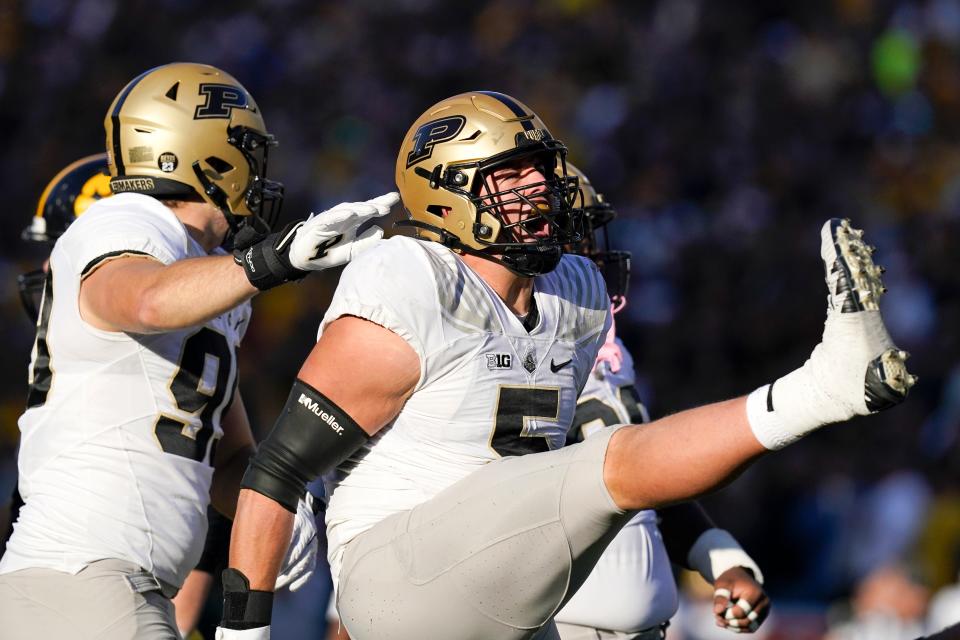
(260, 633)
(739, 603)
(301, 558)
(330, 239)
(324, 240)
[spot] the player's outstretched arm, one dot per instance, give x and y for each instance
(142, 295)
(354, 382)
(855, 370)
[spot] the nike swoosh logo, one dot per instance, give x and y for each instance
(556, 367)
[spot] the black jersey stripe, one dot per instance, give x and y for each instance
(109, 256)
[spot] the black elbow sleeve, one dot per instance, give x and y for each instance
(311, 436)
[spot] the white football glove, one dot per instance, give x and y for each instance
(321, 241)
(330, 239)
(301, 558)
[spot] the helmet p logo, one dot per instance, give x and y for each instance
(219, 101)
(431, 133)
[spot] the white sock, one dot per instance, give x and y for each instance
(828, 388)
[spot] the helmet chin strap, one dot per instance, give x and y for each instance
(539, 262)
(529, 263)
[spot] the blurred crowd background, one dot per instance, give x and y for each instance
(724, 133)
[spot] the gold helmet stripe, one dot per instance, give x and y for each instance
(526, 119)
(115, 120)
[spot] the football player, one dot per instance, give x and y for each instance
(134, 423)
(631, 592)
(445, 378)
(64, 198)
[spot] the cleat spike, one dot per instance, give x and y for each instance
(911, 380)
(903, 354)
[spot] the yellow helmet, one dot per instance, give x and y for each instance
(597, 214)
(442, 168)
(188, 130)
(66, 196)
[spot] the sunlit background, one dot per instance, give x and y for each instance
(724, 133)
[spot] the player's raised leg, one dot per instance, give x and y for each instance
(855, 370)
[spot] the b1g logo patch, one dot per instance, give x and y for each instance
(219, 100)
(497, 361)
(167, 162)
(432, 133)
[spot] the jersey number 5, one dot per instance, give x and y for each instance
(177, 436)
(515, 406)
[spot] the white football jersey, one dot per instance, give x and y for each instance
(116, 443)
(632, 586)
(608, 398)
(487, 388)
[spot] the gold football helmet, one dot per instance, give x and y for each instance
(442, 172)
(188, 130)
(597, 214)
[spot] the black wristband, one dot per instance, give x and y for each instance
(267, 266)
(244, 608)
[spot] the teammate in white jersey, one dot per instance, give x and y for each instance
(68, 194)
(442, 360)
(134, 423)
(631, 593)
